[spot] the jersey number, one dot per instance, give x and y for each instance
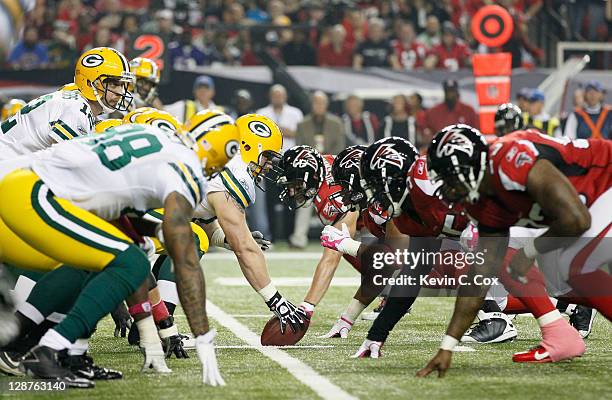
(116, 154)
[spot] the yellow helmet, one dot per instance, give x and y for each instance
(95, 69)
(217, 137)
(11, 108)
(258, 134)
(161, 119)
(147, 77)
(107, 124)
(130, 118)
(69, 87)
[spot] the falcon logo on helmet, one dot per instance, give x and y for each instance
(305, 159)
(386, 154)
(453, 141)
(352, 159)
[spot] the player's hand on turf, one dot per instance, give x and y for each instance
(123, 320)
(369, 349)
(341, 329)
(287, 313)
(206, 352)
(174, 345)
(262, 242)
(336, 239)
(155, 358)
(441, 363)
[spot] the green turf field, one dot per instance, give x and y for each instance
(486, 373)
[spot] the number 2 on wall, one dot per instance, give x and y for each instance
(153, 47)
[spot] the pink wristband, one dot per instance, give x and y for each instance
(140, 308)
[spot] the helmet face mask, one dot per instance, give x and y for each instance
(267, 168)
(104, 86)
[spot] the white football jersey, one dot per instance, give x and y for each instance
(234, 179)
(49, 119)
(130, 168)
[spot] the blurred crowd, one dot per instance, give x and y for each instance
(398, 34)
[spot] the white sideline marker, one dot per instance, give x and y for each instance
(302, 372)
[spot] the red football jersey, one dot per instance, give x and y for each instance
(431, 217)
(587, 163)
(454, 58)
(410, 58)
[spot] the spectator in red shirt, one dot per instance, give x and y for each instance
(449, 112)
(410, 53)
(451, 54)
(337, 52)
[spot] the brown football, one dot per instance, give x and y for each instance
(271, 334)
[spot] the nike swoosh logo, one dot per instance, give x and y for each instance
(88, 374)
(540, 356)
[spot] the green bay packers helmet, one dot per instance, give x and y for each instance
(11, 108)
(160, 119)
(98, 67)
(105, 124)
(130, 118)
(216, 136)
(147, 76)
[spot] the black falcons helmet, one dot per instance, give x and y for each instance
(303, 171)
(508, 118)
(457, 156)
(345, 172)
(384, 168)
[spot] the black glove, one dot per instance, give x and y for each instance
(122, 318)
(172, 341)
(174, 345)
(287, 313)
(264, 244)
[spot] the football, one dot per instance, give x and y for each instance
(272, 336)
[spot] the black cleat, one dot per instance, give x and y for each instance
(43, 362)
(493, 327)
(9, 363)
(582, 320)
(83, 366)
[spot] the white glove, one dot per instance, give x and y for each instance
(369, 348)
(341, 329)
(155, 358)
(339, 240)
(206, 352)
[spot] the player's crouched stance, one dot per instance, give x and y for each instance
(59, 208)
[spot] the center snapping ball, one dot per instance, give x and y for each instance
(272, 336)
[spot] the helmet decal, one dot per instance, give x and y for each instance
(304, 159)
(231, 148)
(92, 60)
(352, 159)
(454, 140)
(386, 154)
(260, 129)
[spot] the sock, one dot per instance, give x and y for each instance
(79, 347)
(168, 292)
(23, 288)
(57, 290)
(160, 312)
(354, 309)
(490, 306)
(394, 310)
(532, 294)
(548, 318)
(594, 286)
(514, 305)
(104, 292)
(561, 340)
(55, 340)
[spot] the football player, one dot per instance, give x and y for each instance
(526, 178)
(146, 74)
(307, 178)
(101, 79)
(60, 207)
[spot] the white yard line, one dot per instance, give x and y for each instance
(304, 281)
(314, 346)
(285, 255)
(302, 372)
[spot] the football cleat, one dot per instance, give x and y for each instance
(83, 366)
(9, 363)
(582, 320)
(43, 362)
(536, 355)
(189, 342)
(492, 328)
